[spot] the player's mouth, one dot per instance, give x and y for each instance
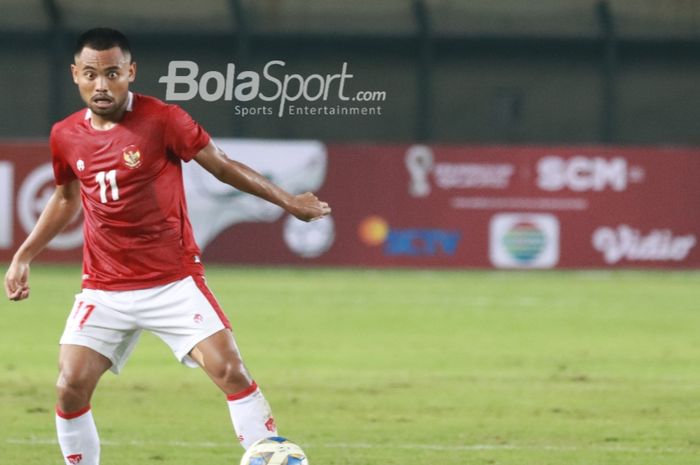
(102, 101)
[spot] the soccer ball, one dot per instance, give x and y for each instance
(274, 451)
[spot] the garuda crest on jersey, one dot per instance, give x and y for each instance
(132, 156)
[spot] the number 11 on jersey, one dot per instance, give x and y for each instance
(103, 178)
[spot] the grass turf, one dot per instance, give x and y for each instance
(393, 367)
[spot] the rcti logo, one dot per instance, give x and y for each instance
(411, 242)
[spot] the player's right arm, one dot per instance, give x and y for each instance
(59, 211)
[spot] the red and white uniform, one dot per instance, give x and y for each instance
(140, 261)
(136, 230)
(141, 268)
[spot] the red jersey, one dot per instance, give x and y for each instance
(136, 231)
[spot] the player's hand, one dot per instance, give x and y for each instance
(17, 281)
(307, 207)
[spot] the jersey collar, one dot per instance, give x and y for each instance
(129, 105)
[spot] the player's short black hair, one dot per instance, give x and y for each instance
(103, 38)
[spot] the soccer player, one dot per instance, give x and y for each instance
(121, 160)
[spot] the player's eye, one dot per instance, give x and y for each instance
(89, 75)
(112, 75)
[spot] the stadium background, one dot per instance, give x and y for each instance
(546, 71)
(479, 84)
(484, 98)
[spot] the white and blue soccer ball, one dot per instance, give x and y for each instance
(274, 450)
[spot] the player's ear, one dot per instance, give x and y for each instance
(132, 71)
(74, 72)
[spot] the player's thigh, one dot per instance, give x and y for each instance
(80, 367)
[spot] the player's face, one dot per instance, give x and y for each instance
(103, 78)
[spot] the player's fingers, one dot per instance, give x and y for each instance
(311, 197)
(24, 294)
(15, 295)
(14, 287)
(10, 287)
(324, 212)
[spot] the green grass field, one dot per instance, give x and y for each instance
(393, 367)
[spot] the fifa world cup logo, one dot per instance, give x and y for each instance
(419, 162)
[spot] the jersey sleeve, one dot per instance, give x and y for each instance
(184, 137)
(62, 171)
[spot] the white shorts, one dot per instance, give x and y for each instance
(181, 313)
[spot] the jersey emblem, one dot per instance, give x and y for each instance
(132, 156)
(80, 165)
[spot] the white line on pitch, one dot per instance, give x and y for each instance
(436, 447)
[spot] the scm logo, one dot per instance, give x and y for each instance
(585, 173)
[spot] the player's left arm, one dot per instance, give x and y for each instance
(306, 206)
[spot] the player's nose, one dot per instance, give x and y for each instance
(101, 84)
